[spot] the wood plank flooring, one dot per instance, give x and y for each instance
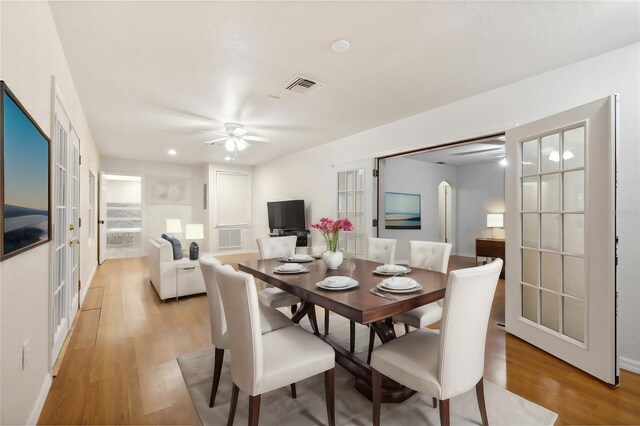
(120, 365)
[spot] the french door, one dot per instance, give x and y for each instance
(561, 236)
(66, 255)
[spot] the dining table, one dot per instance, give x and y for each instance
(357, 304)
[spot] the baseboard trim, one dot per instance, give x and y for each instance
(85, 288)
(42, 398)
(630, 365)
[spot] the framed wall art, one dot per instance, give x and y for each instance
(25, 191)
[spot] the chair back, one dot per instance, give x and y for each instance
(463, 328)
(382, 250)
(271, 248)
(216, 309)
(240, 300)
(430, 255)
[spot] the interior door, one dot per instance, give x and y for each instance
(102, 215)
(60, 282)
(74, 223)
(561, 236)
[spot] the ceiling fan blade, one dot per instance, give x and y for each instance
(216, 141)
(211, 132)
(256, 139)
(239, 131)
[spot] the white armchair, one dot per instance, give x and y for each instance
(447, 362)
(172, 278)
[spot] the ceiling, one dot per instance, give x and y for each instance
(485, 151)
(154, 76)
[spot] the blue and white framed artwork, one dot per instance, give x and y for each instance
(402, 211)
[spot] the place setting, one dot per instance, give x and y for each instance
(297, 258)
(400, 285)
(392, 270)
(337, 282)
(291, 268)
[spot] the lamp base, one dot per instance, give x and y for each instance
(194, 251)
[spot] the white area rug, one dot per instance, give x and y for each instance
(278, 408)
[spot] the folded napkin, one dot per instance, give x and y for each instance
(392, 268)
(338, 281)
(290, 267)
(399, 283)
(299, 257)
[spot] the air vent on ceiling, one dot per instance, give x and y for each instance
(230, 238)
(300, 84)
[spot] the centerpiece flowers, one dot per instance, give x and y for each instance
(330, 230)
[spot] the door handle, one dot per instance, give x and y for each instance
(71, 227)
(101, 222)
(74, 241)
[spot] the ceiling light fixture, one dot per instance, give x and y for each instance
(227, 158)
(340, 46)
(172, 152)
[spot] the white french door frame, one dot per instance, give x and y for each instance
(596, 354)
(64, 278)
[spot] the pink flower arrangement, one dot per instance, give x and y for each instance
(330, 229)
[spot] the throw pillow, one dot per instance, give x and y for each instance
(176, 245)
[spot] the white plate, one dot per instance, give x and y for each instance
(337, 281)
(351, 284)
(298, 271)
(392, 290)
(399, 283)
(390, 274)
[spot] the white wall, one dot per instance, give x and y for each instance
(308, 174)
(154, 216)
(123, 191)
(480, 191)
(416, 177)
(31, 53)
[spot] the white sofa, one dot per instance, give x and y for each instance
(173, 278)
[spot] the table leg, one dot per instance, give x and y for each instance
(308, 309)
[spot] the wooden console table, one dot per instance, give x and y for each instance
(492, 248)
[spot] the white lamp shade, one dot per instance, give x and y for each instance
(174, 226)
(195, 231)
(495, 220)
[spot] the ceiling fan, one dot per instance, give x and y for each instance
(235, 138)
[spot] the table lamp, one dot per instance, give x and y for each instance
(195, 231)
(495, 220)
(174, 226)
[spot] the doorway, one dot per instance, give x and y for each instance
(445, 213)
(120, 216)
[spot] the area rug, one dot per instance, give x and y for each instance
(278, 408)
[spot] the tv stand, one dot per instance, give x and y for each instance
(303, 235)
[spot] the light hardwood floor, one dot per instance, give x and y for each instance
(120, 365)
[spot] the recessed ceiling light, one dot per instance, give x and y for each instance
(172, 152)
(227, 158)
(340, 46)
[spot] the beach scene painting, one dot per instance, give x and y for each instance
(402, 211)
(25, 180)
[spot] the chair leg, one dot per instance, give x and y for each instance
(406, 328)
(352, 336)
(444, 412)
(234, 403)
(372, 337)
(254, 409)
(481, 402)
(376, 388)
(217, 369)
(326, 322)
(329, 394)
(435, 402)
(293, 391)
(294, 308)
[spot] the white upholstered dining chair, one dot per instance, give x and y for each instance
(433, 256)
(270, 319)
(447, 362)
(263, 362)
(273, 248)
(382, 250)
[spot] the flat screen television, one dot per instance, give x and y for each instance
(287, 215)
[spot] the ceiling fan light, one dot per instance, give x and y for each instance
(241, 144)
(229, 145)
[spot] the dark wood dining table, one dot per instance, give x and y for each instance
(357, 304)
